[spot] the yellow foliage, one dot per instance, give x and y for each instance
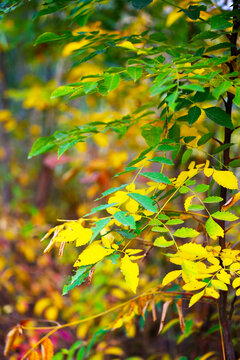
(226, 179)
(130, 271)
(92, 254)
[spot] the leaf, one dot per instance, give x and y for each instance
(112, 190)
(213, 229)
(130, 271)
(180, 314)
(11, 336)
(232, 201)
(92, 254)
(194, 285)
(219, 22)
(188, 202)
(212, 199)
(145, 201)
(193, 114)
(224, 277)
(218, 284)
(200, 188)
(161, 160)
(219, 116)
(157, 177)
(34, 355)
(111, 81)
(226, 179)
(134, 72)
(204, 139)
(99, 208)
(100, 224)
(234, 163)
(236, 99)
(236, 283)
(226, 216)
(77, 279)
(185, 232)
(195, 298)
(162, 242)
(186, 156)
(125, 220)
(47, 37)
(47, 349)
(42, 145)
(90, 86)
(171, 276)
(62, 91)
(139, 4)
(174, 222)
(222, 88)
(211, 292)
(193, 87)
(164, 313)
(152, 135)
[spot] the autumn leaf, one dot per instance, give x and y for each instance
(130, 271)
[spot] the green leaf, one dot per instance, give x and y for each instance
(192, 87)
(157, 177)
(139, 4)
(111, 81)
(47, 37)
(162, 242)
(145, 201)
(219, 116)
(99, 208)
(236, 99)
(62, 91)
(152, 135)
(186, 156)
(134, 72)
(201, 188)
(161, 160)
(188, 139)
(165, 147)
(222, 148)
(218, 22)
(196, 207)
(222, 88)
(77, 279)
(224, 215)
(205, 138)
(234, 163)
(100, 224)
(193, 114)
(42, 145)
(124, 219)
(185, 232)
(213, 229)
(174, 222)
(110, 191)
(212, 199)
(90, 86)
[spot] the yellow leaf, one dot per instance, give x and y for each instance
(224, 276)
(226, 179)
(195, 298)
(208, 172)
(130, 271)
(127, 45)
(194, 285)
(238, 292)
(132, 206)
(188, 202)
(220, 285)
(171, 276)
(92, 254)
(236, 283)
(192, 251)
(173, 16)
(211, 292)
(235, 267)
